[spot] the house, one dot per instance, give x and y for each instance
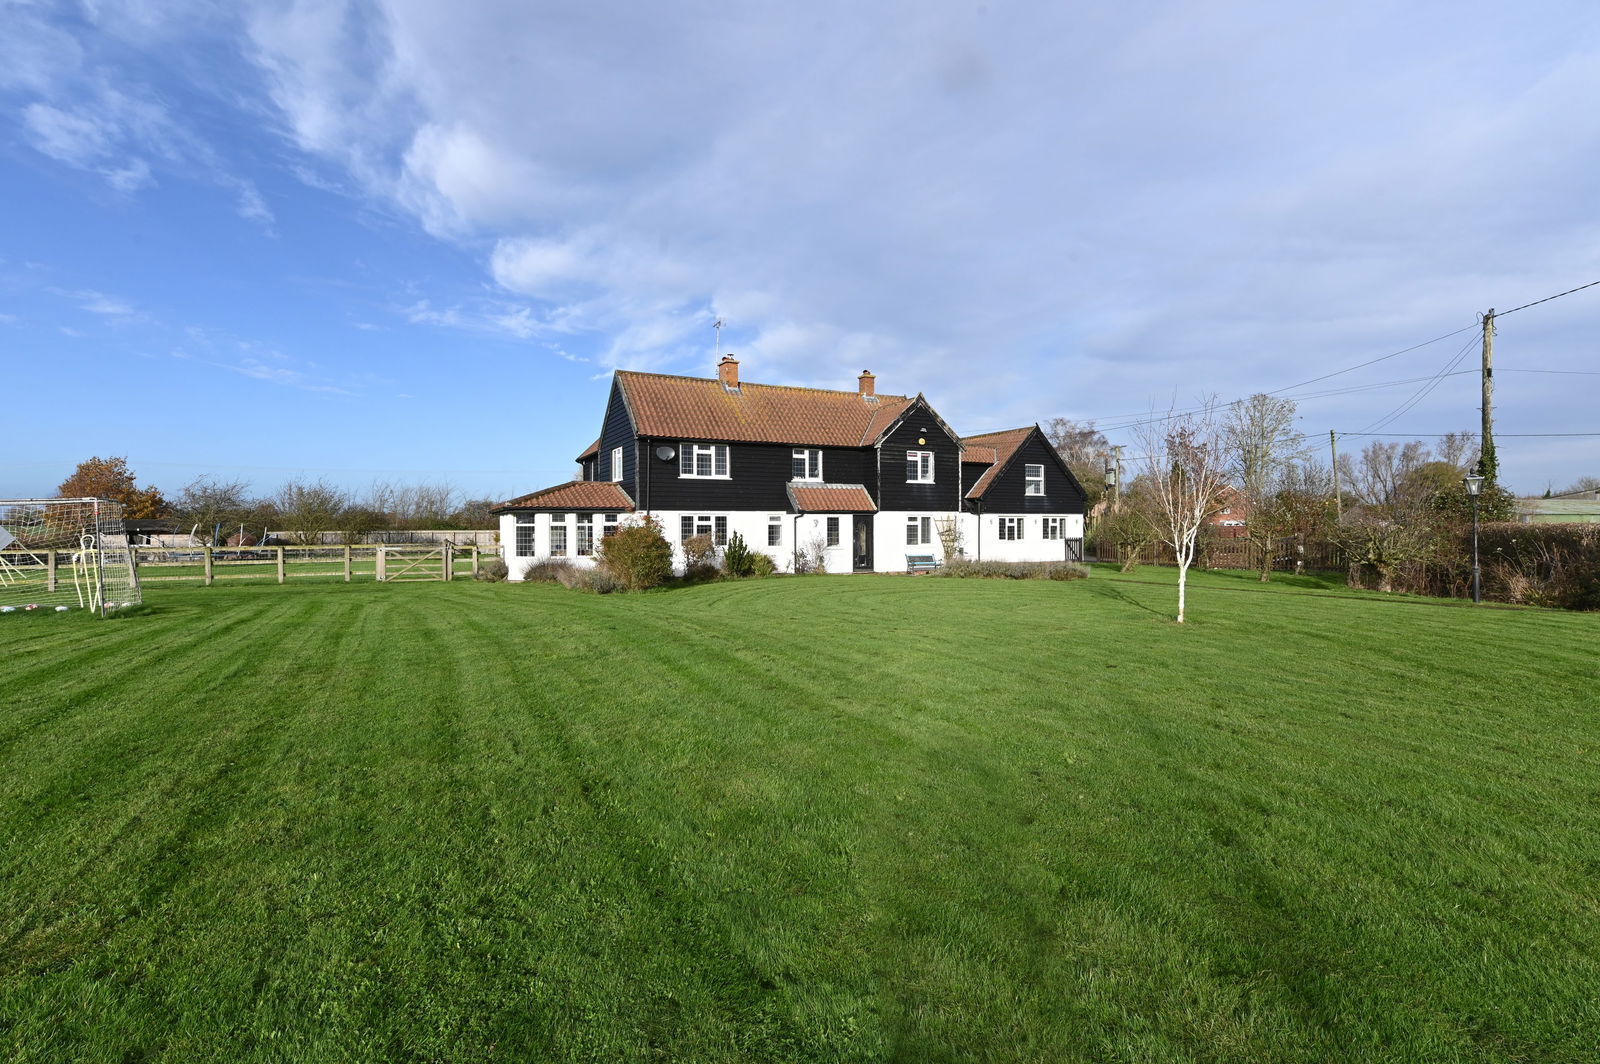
(1231, 520)
(865, 481)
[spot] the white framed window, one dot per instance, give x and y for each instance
(703, 460)
(833, 531)
(919, 531)
(1011, 528)
(525, 530)
(585, 542)
(608, 526)
(713, 525)
(1035, 479)
(616, 463)
(806, 463)
(558, 535)
(775, 530)
(919, 467)
(1053, 527)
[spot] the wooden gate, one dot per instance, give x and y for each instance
(398, 564)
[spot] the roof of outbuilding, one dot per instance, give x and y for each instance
(573, 495)
(995, 448)
(593, 449)
(700, 408)
(831, 498)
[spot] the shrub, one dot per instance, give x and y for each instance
(548, 571)
(1541, 565)
(737, 557)
(964, 569)
(762, 565)
(812, 558)
(699, 557)
(494, 570)
(596, 580)
(637, 556)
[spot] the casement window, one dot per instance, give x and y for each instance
(558, 535)
(833, 531)
(806, 463)
(703, 460)
(919, 531)
(608, 526)
(1053, 527)
(585, 535)
(616, 463)
(715, 526)
(1011, 528)
(1035, 479)
(775, 531)
(919, 467)
(525, 529)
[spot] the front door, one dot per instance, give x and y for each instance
(863, 544)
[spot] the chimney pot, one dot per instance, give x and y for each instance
(867, 383)
(728, 372)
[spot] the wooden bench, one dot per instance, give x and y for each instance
(921, 563)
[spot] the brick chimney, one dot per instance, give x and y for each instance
(867, 383)
(728, 372)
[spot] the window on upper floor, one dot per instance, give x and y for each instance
(703, 460)
(1035, 479)
(806, 464)
(919, 467)
(1011, 528)
(616, 463)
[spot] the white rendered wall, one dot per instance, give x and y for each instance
(983, 542)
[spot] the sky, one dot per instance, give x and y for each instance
(409, 240)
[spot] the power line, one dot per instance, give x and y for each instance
(1423, 392)
(1547, 299)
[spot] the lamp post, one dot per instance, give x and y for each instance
(1474, 485)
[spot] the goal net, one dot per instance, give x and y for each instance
(65, 553)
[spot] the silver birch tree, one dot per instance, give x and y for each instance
(1185, 467)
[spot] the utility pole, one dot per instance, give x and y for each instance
(1116, 492)
(1338, 497)
(1487, 462)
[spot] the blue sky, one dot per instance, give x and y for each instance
(409, 241)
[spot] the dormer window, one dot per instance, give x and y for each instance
(1035, 480)
(703, 460)
(807, 463)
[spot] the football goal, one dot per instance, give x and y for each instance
(64, 554)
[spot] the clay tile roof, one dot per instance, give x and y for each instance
(995, 448)
(699, 408)
(573, 495)
(594, 449)
(831, 498)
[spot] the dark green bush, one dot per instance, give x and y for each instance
(762, 565)
(737, 557)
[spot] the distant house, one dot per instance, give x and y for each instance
(867, 480)
(1232, 520)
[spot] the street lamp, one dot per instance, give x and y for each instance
(1474, 485)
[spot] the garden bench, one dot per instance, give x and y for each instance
(921, 563)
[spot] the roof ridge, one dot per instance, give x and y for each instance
(757, 384)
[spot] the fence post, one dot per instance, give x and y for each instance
(280, 565)
(347, 563)
(475, 553)
(209, 574)
(382, 559)
(449, 561)
(50, 571)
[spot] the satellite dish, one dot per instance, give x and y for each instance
(665, 453)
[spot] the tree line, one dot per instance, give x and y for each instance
(223, 511)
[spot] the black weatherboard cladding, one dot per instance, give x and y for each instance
(1007, 492)
(895, 493)
(617, 432)
(760, 475)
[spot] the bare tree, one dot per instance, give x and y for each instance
(311, 508)
(1083, 447)
(1262, 445)
(1459, 449)
(207, 505)
(1184, 463)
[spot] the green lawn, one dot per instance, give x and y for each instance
(826, 819)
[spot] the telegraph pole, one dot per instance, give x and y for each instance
(1116, 492)
(1338, 498)
(1487, 462)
